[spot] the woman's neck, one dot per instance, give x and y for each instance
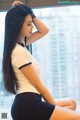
(21, 39)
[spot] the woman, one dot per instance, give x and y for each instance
(21, 70)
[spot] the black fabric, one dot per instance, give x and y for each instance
(21, 44)
(25, 65)
(29, 106)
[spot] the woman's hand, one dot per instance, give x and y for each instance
(16, 3)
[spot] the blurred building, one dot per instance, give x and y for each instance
(59, 51)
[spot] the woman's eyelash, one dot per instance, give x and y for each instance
(29, 24)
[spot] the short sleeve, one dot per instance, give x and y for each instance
(20, 59)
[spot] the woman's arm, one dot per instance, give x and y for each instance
(40, 26)
(41, 31)
(34, 79)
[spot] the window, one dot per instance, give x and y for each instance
(5, 99)
(58, 53)
(58, 50)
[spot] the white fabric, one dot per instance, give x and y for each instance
(21, 56)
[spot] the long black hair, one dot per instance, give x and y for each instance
(13, 23)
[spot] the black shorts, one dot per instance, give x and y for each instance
(29, 106)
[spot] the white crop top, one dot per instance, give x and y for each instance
(21, 57)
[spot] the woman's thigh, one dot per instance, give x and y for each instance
(61, 113)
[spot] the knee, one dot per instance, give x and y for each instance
(73, 104)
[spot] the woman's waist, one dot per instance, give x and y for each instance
(23, 89)
(28, 96)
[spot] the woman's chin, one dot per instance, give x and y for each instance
(29, 35)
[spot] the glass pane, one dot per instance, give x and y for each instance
(59, 51)
(5, 98)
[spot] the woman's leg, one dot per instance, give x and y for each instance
(67, 103)
(61, 113)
